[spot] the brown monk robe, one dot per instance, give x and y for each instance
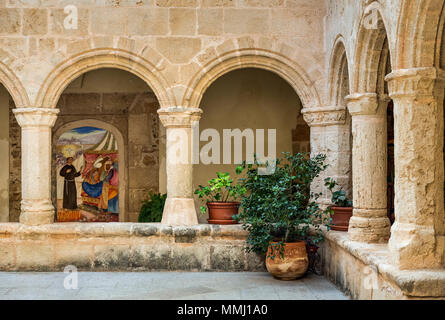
(69, 188)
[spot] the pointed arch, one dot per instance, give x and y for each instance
(368, 53)
(338, 72)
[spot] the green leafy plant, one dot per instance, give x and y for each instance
(279, 207)
(220, 189)
(152, 208)
(339, 197)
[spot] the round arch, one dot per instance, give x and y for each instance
(122, 155)
(73, 67)
(252, 58)
(338, 62)
(14, 87)
(370, 44)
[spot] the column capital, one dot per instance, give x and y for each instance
(367, 103)
(414, 83)
(324, 116)
(179, 117)
(36, 117)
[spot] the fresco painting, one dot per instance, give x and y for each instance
(87, 176)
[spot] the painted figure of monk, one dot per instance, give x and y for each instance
(69, 188)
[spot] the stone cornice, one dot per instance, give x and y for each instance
(324, 116)
(416, 83)
(179, 116)
(36, 117)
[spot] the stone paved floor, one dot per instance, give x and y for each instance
(166, 285)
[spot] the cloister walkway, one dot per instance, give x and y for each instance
(165, 285)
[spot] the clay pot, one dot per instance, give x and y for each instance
(294, 264)
(340, 218)
(222, 212)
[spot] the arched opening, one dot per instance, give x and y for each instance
(249, 99)
(108, 123)
(341, 89)
(10, 158)
(384, 70)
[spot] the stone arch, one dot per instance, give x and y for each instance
(14, 87)
(370, 44)
(122, 157)
(338, 65)
(74, 66)
(420, 31)
(252, 58)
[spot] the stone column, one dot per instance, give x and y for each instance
(418, 234)
(36, 124)
(369, 222)
(330, 135)
(180, 124)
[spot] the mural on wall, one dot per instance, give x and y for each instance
(87, 176)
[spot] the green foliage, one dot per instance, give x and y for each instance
(152, 208)
(280, 207)
(220, 189)
(339, 197)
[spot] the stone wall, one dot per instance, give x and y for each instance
(125, 246)
(363, 271)
(134, 116)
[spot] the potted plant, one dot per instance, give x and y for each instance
(220, 196)
(280, 212)
(152, 208)
(342, 206)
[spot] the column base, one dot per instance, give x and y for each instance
(179, 212)
(36, 212)
(415, 247)
(369, 229)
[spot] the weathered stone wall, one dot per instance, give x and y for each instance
(363, 271)
(179, 38)
(125, 246)
(134, 116)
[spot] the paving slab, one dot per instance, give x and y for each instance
(164, 285)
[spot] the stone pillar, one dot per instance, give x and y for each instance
(369, 222)
(330, 135)
(36, 124)
(418, 234)
(179, 124)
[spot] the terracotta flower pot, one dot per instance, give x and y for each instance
(222, 212)
(294, 264)
(340, 218)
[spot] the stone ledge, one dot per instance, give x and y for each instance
(118, 229)
(411, 283)
(125, 247)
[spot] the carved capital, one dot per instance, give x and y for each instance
(36, 117)
(415, 83)
(325, 116)
(179, 117)
(362, 104)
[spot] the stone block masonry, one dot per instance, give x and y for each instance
(125, 246)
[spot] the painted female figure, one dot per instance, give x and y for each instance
(69, 188)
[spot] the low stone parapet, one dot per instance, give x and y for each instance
(364, 271)
(125, 247)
